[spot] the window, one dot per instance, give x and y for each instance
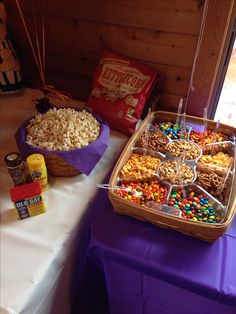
(226, 107)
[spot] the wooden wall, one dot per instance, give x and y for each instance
(160, 33)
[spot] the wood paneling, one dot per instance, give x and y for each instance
(162, 34)
(175, 79)
(180, 16)
(91, 38)
(220, 13)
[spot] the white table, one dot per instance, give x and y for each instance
(34, 251)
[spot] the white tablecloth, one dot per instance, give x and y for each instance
(34, 250)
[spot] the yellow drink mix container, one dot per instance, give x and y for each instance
(38, 170)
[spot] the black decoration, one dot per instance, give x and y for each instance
(43, 105)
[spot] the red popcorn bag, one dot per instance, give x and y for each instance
(120, 90)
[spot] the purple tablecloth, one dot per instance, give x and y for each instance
(134, 267)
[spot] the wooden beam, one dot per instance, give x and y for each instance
(219, 15)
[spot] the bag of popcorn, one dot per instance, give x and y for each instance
(120, 90)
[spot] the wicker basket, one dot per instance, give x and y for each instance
(205, 231)
(59, 162)
(57, 167)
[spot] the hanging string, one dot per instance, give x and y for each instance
(30, 41)
(39, 56)
(43, 43)
(203, 22)
(43, 35)
(42, 73)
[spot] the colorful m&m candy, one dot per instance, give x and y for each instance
(194, 206)
(173, 130)
(143, 192)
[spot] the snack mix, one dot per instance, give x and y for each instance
(192, 178)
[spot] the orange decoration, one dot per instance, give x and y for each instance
(40, 57)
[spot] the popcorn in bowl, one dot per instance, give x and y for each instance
(63, 129)
(71, 140)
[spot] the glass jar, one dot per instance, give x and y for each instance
(16, 168)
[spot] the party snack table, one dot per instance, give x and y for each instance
(136, 267)
(34, 251)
